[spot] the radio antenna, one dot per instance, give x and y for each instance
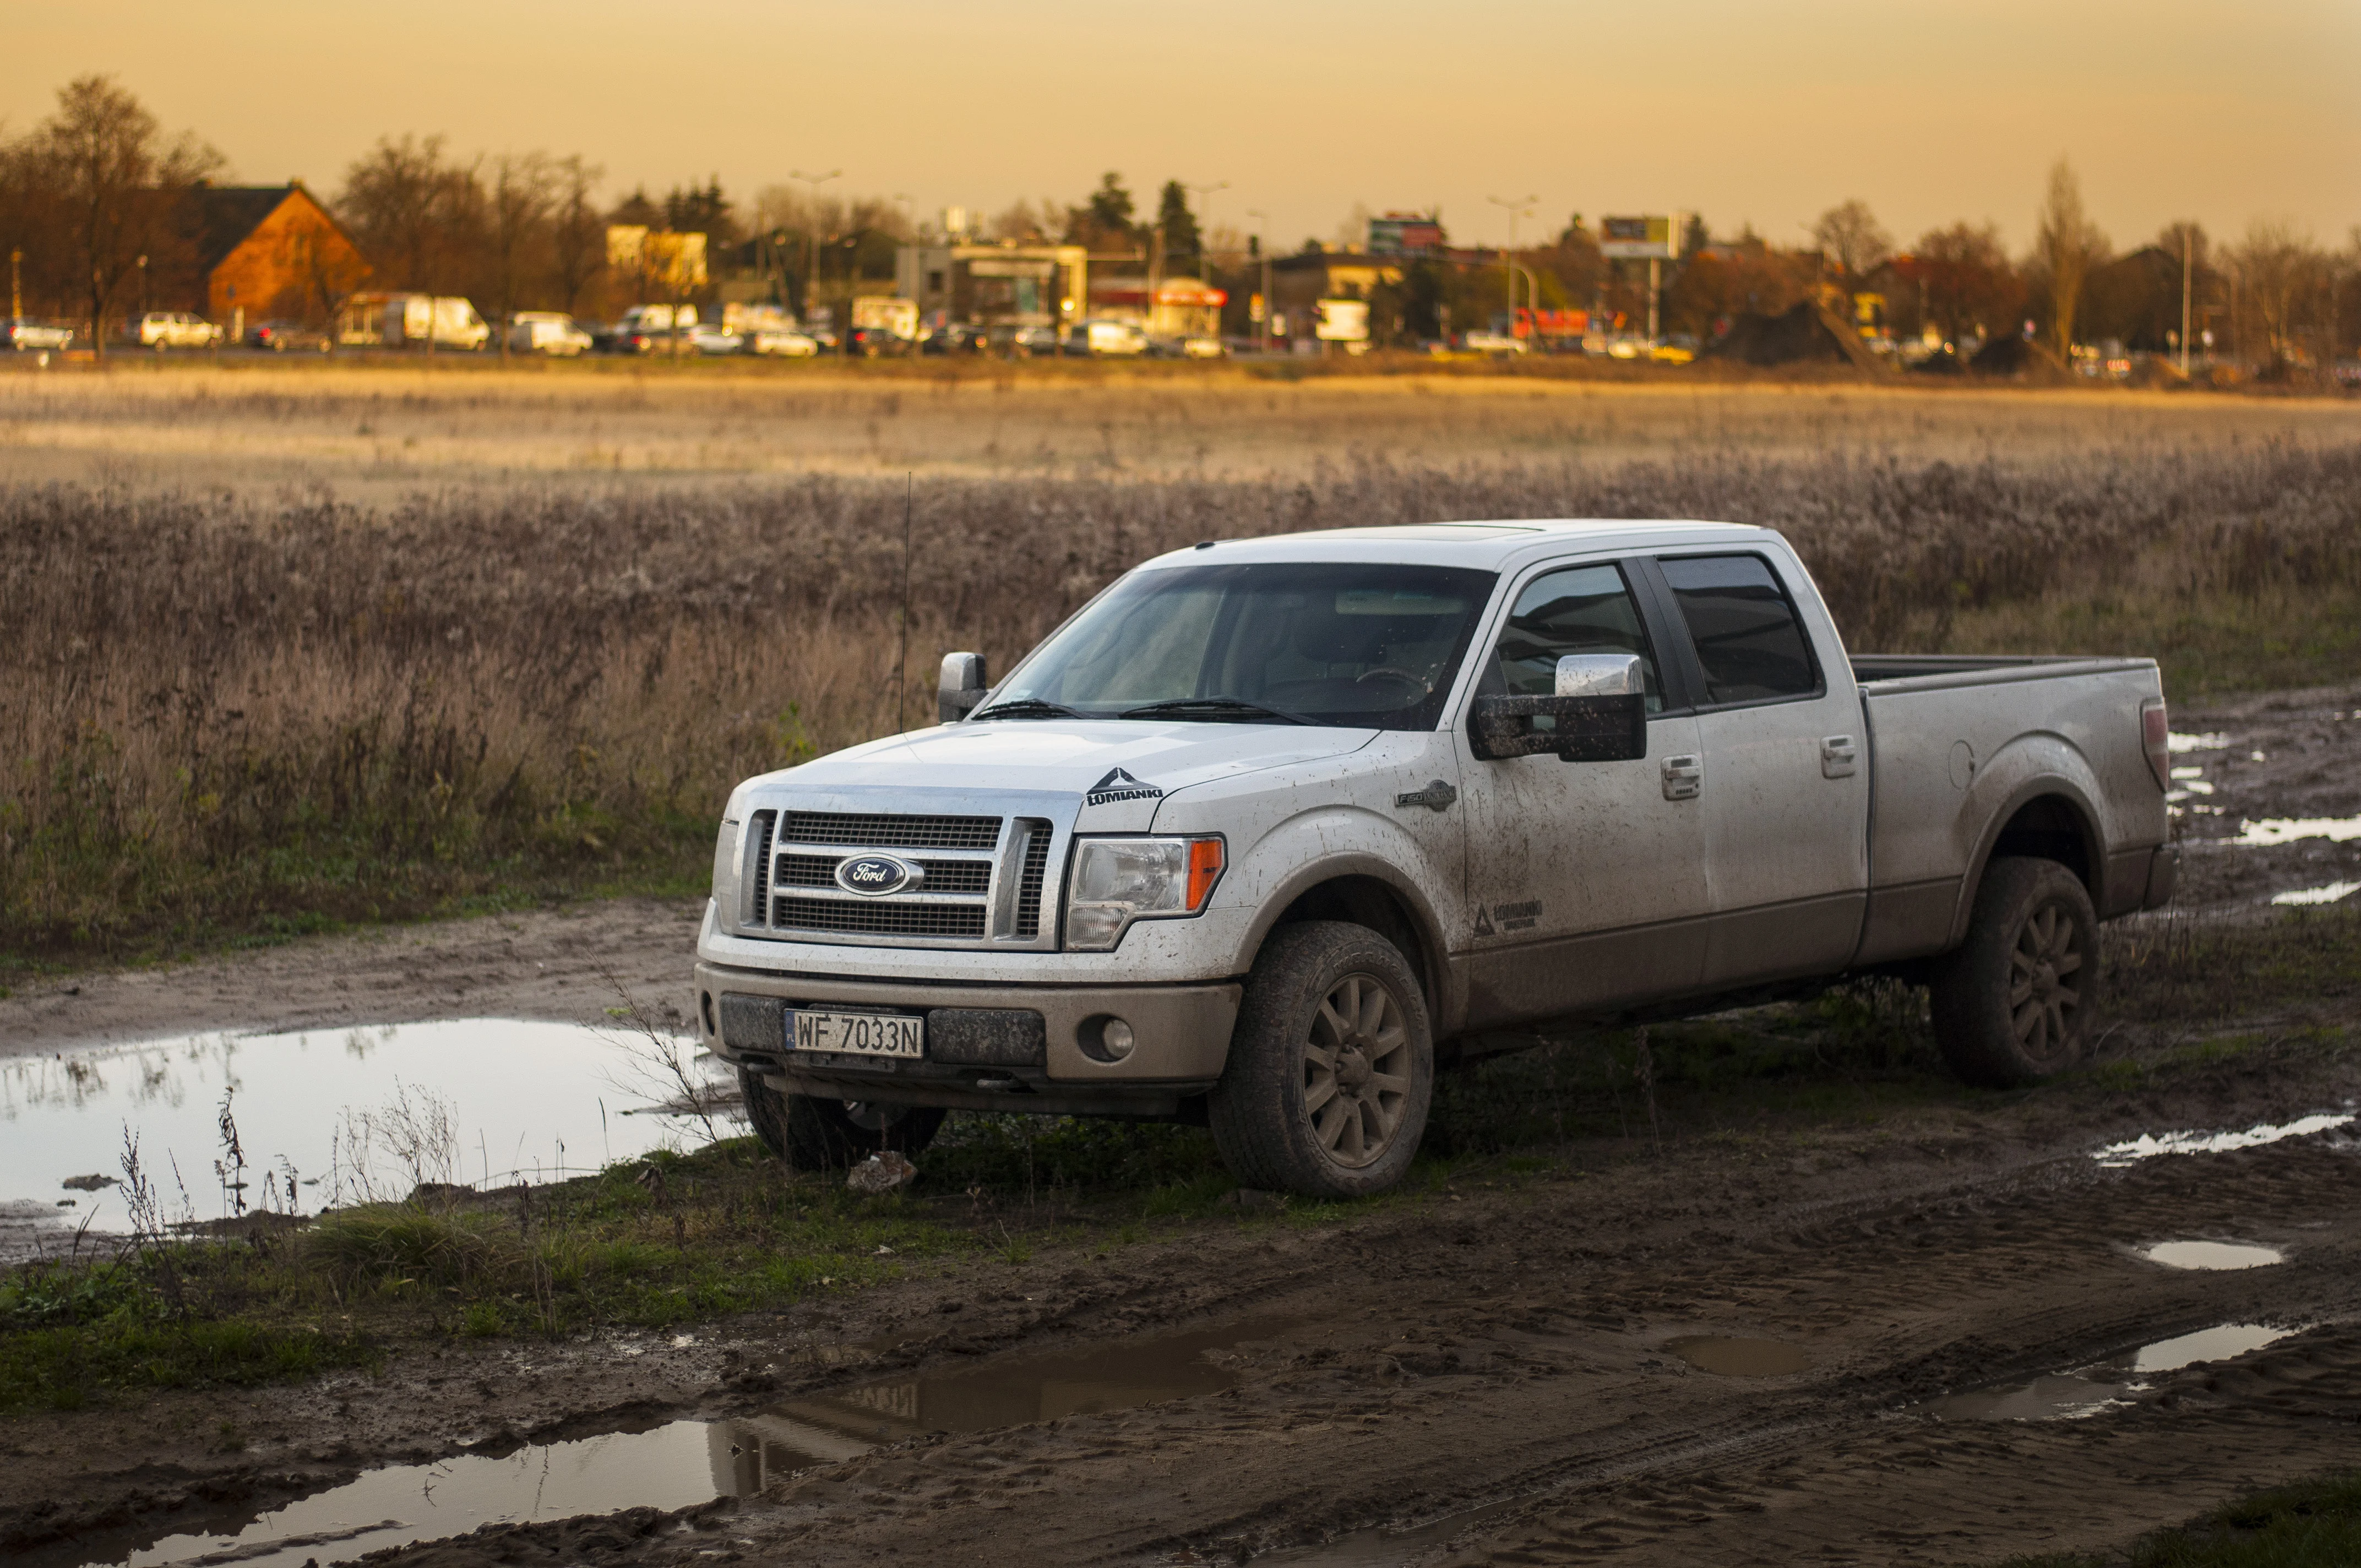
(902, 664)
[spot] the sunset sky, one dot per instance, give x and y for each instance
(1931, 110)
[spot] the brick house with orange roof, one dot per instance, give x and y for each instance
(271, 252)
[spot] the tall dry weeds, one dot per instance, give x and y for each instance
(219, 716)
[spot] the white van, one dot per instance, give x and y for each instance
(1106, 337)
(546, 332)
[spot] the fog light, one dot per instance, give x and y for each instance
(1115, 1039)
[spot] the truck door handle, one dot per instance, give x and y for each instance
(1684, 776)
(1839, 757)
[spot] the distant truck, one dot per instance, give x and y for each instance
(1273, 828)
(399, 320)
(653, 329)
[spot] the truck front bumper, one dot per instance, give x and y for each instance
(1012, 1047)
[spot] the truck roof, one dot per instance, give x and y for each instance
(1495, 544)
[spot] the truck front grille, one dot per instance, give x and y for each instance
(985, 879)
(877, 918)
(885, 830)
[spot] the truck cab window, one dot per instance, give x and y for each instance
(1584, 609)
(1749, 642)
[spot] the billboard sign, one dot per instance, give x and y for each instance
(1342, 320)
(1641, 239)
(1404, 234)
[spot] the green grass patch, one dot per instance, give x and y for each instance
(2312, 1524)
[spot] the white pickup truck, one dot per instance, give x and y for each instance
(1271, 829)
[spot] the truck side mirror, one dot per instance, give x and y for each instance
(1598, 713)
(960, 687)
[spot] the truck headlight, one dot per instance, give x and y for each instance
(1118, 880)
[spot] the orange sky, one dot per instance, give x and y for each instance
(1746, 110)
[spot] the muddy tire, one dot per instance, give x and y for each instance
(2014, 1003)
(1332, 1067)
(812, 1133)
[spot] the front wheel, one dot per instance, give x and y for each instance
(2014, 1004)
(1332, 1067)
(812, 1133)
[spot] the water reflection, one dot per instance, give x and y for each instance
(525, 1101)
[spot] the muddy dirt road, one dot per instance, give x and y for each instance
(1774, 1338)
(1511, 1341)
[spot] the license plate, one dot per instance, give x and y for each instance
(856, 1034)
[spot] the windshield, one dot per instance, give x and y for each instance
(1348, 643)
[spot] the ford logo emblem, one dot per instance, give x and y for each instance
(874, 876)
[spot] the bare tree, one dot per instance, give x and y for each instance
(2279, 271)
(523, 196)
(398, 198)
(1851, 235)
(119, 189)
(577, 234)
(1964, 280)
(2067, 245)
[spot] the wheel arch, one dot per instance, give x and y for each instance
(2049, 816)
(1364, 890)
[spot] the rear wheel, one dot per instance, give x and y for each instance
(813, 1133)
(1332, 1067)
(2014, 1004)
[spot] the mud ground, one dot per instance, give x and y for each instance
(1499, 1346)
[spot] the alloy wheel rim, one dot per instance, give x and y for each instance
(2045, 984)
(1356, 1071)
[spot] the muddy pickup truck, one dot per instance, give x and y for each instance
(1271, 830)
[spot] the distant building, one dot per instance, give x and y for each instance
(271, 253)
(996, 285)
(1184, 307)
(1299, 283)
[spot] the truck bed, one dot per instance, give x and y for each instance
(1951, 752)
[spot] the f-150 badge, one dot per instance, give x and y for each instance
(1120, 785)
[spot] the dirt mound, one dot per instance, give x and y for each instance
(1807, 333)
(2021, 358)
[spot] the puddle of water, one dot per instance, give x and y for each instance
(1740, 1357)
(2147, 1146)
(2272, 831)
(528, 1102)
(683, 1464)
(2090, 1390)
(2185, 743)
(2330, 893)
(2213, 1256)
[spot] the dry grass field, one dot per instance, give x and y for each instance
(299, 645)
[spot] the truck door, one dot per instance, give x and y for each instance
(1585, 881)
(1785, 788)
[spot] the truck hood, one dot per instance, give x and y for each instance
(1120, 768)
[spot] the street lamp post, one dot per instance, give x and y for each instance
(1262, 249)
(811, 274)
(1521, 207)
(16, 285)
(1204, 222)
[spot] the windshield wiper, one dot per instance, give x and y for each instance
(1213, 709)
(1027, 708)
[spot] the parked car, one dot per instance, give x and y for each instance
(161, 330)
(786, 342)
(712, 337)
(1026, 342)
(546, 332)
(22, 333)
(876, 341)
(281, 336)
(1411, 793)
(1492, 343)
(1106, 338)
(957, 338)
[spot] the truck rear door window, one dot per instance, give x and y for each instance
(1749, 641)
